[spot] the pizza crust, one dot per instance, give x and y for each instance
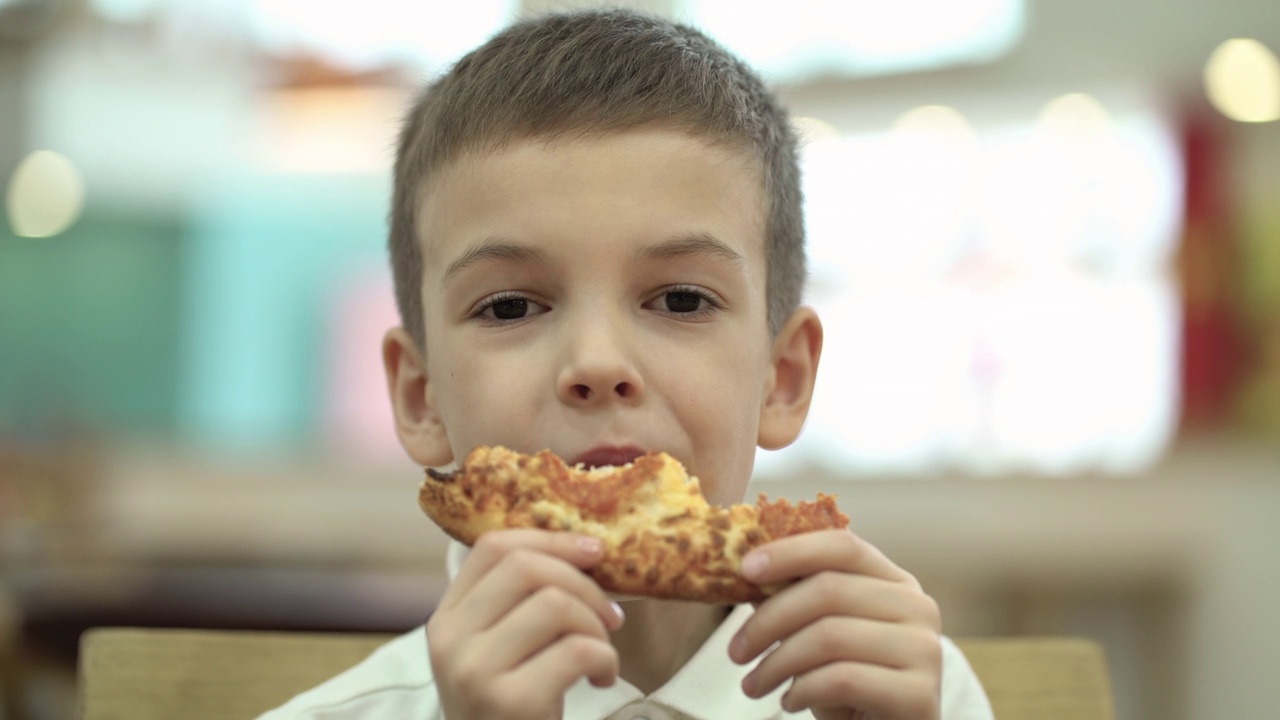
(661, 538)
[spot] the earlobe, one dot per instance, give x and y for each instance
(796, 351)
(419, 425)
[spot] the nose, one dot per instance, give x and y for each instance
(599, 367)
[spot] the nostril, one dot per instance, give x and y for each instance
(582, 391)
(623, 389)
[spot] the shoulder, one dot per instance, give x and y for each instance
(395, 681)
(962, 695)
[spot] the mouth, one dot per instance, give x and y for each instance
(607, 455)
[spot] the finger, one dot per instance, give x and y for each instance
(580, 551)
(544, 617)
(537, 689)
(875, 690)
(802, 555)
(520, 574)
(839, 639)
(550, 673)
(831, 594)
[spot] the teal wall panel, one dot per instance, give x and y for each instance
(264, 259)
(89, 332)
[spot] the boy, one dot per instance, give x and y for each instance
(597, 243)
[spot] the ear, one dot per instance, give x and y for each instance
(413, 399)
(796, 350)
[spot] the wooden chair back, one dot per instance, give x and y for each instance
(161, 674)
(1052, 678)
(150, 674)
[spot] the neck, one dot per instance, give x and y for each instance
(660, 636)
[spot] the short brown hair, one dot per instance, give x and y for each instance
(597, 71)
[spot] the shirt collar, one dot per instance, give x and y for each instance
(709, 685)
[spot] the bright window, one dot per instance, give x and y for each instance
(799, 38)
(430, 33)
(997, 300)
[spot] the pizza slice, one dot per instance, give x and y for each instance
(661, 538)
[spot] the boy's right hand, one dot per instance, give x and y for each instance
(520, 624)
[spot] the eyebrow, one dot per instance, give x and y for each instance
(502, 250)
(695, 243)
(493, 249)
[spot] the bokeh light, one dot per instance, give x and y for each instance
(1075, 114)
(937, 120)
(46, 195)
(1242, 79)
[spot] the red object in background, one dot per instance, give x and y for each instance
(357, 410)
(1212, 348)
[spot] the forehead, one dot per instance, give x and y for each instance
(628, 186)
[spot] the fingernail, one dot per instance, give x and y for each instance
(754, 564)
(738, 649)
(749, 686)
(617, 612)
(590, 545)
(786, 702)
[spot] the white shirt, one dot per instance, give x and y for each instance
(396, 683)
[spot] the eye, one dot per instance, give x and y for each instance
(685, 302)
(506, 308)
(513, 309)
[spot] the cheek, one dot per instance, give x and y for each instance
(721, 410)
(476, 383)
(735, 372)
(462, 388)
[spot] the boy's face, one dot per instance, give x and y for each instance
(601, 297)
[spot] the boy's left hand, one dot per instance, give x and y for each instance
(856, 632)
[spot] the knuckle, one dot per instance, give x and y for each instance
(912, 582)
(831, 636)
(932, 613)
(852, 545)
(843, 685)
(439, 634)
(931, 646)
(435, 628)
(924, 702)
(553, 601)
(829, 646)
(521, 555)
(583, 651)
(521, 565)
(830, 589)
(490, 544)
(925, 645)
(468, 677)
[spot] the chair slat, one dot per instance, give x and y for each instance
(1050, 678)
(153, 674)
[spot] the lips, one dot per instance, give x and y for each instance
(608, 455)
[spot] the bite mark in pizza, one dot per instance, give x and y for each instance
(661, 537)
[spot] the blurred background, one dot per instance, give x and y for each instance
(1046, 246)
